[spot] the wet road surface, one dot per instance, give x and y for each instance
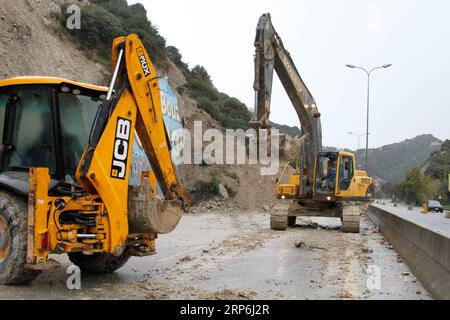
(237, 256)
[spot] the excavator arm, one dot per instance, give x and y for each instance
(271, 55)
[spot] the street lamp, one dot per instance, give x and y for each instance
(358, 150)
(368, 104)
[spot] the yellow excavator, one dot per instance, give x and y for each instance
(325, 183)
(65, 169)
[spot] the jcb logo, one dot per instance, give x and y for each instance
(143, 60)
(121, 145)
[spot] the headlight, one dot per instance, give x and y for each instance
(283, 197)
(329, 198)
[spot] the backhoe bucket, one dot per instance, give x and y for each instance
(147, 214)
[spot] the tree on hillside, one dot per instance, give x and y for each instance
(175, 56)
(200, 73)
(415, 189)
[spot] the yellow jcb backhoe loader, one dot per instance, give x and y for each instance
(65, 169)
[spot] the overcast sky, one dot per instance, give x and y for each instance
(410, 98)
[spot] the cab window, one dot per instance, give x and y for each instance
(326, 174)
(32, 142)
(77, 113)
(346, 173)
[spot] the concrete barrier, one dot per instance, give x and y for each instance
(426, 252)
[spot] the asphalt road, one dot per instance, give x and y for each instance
(236, 256)
(435, 221)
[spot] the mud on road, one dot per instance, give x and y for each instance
(236, 256)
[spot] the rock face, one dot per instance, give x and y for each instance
(223, 191)
(33, 43)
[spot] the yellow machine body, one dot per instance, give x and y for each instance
(104, 169)
(356, 185)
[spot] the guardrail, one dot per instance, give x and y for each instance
(426, 252)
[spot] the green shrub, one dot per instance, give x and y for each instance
(204, 190)
(104, 20)
(201, 88)
(229, 112)
(175, 56)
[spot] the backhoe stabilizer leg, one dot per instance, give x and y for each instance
(37, 242)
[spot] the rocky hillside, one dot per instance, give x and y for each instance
(391, 162)
(33, 41)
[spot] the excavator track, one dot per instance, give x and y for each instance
(351, 216)
(279, 215)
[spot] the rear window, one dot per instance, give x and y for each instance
(434, 203)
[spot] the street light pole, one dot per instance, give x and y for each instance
(358, 158)
(368, 73)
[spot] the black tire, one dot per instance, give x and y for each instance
(292, 221)
(13, 242)
(99, 262)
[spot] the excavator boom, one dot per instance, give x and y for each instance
(271, 55)
(329, 184)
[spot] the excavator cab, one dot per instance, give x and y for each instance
(326, 173)
(336, 178)
(45, 123)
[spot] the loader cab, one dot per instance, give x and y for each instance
(44, 122)
(334, 173)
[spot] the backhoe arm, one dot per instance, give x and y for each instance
(135, 74)
(132, 105)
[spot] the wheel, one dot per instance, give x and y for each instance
(13, 241)
(99, 262)
(351, 216)
(292, 221)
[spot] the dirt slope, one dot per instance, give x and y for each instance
(33, 42)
